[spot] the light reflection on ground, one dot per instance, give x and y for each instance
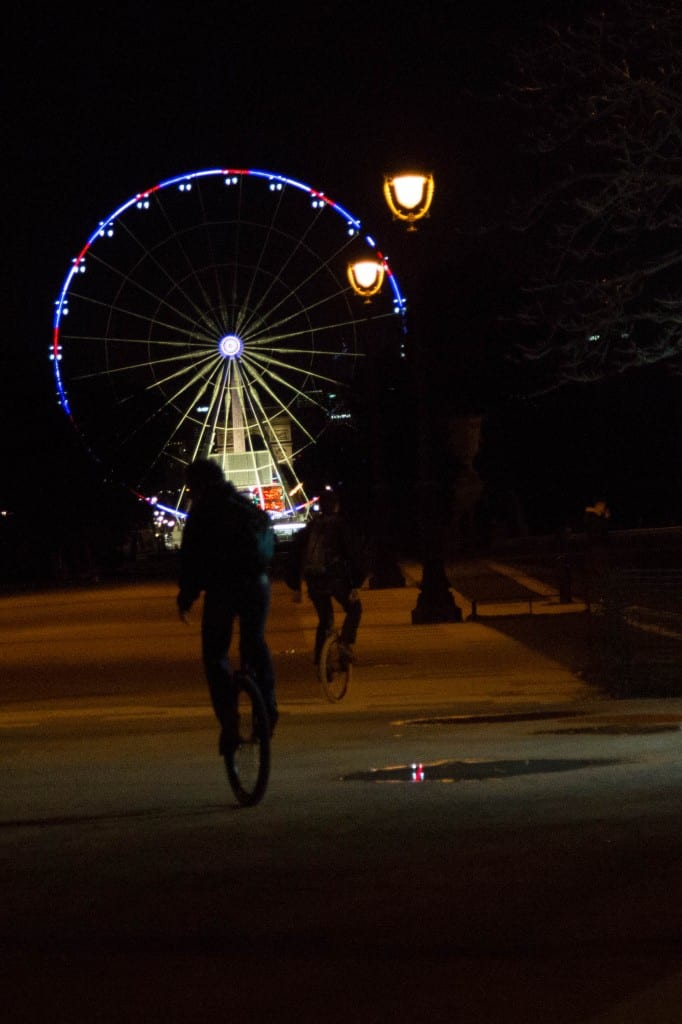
(463, 771)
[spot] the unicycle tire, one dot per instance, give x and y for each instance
(247, 757)
(335, 669)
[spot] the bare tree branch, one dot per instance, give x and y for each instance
(605, 102)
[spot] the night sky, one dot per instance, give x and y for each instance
(105, 100)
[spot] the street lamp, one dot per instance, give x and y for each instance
(366, 277)
(409, 198)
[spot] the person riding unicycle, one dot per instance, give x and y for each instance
(326, 557)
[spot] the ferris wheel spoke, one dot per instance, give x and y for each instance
(209, 424)
(286, 351)
(190, 332)
(248, 309)
(172, 402)
(279, 403)
(111, 340)
(237, 398)
(213, 261)
(258, 380)
(264, 367)
(175, 279)
(284, 407)
(277, 274)
(116, 371)
(140, 289)
(210, 420)
(319, 266)
(333, 325)
(305, 282)
(271, 439)
(246, 408)
(199, 376)
(189, 328)
(270, 340)
(306, 311)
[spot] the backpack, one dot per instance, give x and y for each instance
(254, 540)
(322, 557)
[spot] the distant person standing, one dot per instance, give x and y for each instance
(596, 522)
(326, 556)
(226, 551)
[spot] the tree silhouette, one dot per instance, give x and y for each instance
(602, 104)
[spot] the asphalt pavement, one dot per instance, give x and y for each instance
(520, 651)
(125, 874)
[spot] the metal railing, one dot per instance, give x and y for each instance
(636, 631)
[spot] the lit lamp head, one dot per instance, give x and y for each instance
(366, 277)
(409, 196)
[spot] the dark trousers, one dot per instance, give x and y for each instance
(250, 602)
(321, 595)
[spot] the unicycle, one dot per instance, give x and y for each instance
(247, 752)
(335, 668)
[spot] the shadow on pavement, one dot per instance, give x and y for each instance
(563, 638)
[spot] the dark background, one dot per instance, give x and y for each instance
(104, 101)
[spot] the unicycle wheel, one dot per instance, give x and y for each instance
(247, 752)
(335, 669)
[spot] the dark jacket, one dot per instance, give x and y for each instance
(215, 554)
(341, 558)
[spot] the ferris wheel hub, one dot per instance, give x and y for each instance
(231, 347)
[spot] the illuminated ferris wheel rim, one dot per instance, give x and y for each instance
(184, 181)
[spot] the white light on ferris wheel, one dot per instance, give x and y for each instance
(231, 347)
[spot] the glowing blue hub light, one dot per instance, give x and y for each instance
(230, 347)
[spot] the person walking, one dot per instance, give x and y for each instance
(326, 557)
(226, 552)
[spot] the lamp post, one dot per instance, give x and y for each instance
(409, 197)
(366, 276)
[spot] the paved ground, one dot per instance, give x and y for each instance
(526, 868)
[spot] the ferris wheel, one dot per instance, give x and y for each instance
(211, 316)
